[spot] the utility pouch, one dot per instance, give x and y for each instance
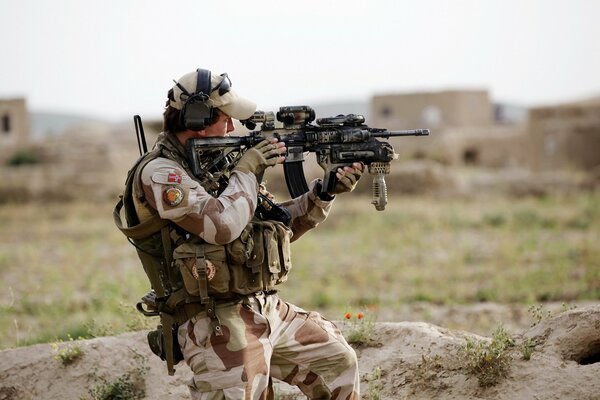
(272, 252)
(247, 254)
(260, 258)
(257, 256)
(240, 250)
(284, 236)
(277, 239)
(202, 261)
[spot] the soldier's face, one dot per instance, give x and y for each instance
(222, 127)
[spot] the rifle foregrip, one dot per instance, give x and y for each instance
(379, 170)
(379, 193)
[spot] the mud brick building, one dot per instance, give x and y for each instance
(468, 129)
(566, 136)
(14, 126)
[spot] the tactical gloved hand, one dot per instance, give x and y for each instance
(347, 178)
(258, 158)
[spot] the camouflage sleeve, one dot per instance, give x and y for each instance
(177, 197)
(307, 210)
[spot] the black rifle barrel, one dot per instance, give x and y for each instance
(255, 137)
(410, 132)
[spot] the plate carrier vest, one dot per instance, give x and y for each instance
(187, 275)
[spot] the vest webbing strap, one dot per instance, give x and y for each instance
(202, 274)
(180, 297)
(168, 253)
(169, 326)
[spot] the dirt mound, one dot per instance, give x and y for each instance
(559, 358)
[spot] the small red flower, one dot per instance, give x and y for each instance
(360, 315)
(348, 315)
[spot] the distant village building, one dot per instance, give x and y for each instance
(566, 136)
(435, 110)
(466, 127)
(87, 160)
(14, 127)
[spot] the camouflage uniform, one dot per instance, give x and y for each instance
(263, 336)
(266, 337)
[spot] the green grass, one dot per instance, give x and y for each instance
(452, 251)
(66, 270)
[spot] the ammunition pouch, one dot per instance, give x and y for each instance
(258, 260)
(203, 268)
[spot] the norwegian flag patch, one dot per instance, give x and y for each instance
(174, 178)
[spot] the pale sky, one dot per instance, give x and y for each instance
(115, 58)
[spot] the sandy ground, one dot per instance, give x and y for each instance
(415, 360)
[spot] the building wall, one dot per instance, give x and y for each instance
(437, 110)
(462, 124)
(14, 127)
(89, 162)
(492, 147)
(566, 136)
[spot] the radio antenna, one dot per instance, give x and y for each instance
(139, 134)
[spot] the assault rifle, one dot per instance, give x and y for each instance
(337, 142)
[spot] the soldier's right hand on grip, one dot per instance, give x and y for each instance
(265, 154)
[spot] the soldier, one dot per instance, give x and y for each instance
(219, 298)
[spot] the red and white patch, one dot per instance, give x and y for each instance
(174, 178)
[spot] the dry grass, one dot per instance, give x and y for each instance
(66, 269)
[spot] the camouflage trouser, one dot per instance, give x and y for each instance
(265, 337)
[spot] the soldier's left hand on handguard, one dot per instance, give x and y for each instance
(347, 178)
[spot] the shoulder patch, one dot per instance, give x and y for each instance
(173, 196)
(166, 178)
(174, 178)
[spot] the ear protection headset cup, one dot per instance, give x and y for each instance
(196, 113)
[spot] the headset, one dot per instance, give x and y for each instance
(197, 113)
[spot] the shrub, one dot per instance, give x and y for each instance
(24, 157)
(67, 353)
(375, 385)
(489, 361)
(128, 386)
(358, 328)
(122, 388)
